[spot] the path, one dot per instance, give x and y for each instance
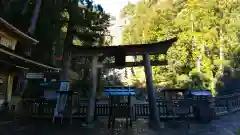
(227, 125)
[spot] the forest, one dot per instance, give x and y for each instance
(206, 55)
(57, 25)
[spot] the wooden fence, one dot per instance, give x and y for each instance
(44, 108)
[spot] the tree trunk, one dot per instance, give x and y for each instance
(25, 7)
(86, 74)
(66, 61)
(7, 6)
(34, 19)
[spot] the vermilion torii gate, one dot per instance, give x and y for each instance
(120, 52)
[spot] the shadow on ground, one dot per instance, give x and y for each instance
(227, 125)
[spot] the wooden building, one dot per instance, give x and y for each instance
(15, 59)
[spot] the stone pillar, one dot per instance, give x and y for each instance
(154, 121)
(92, 92)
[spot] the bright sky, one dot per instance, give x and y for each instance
(114, 6)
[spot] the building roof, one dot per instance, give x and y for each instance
(22, 37)
(133, 49)
(26, 60)
(16, 32)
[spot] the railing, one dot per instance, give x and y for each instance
(223, 105)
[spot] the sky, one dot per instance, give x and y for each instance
(114, 6)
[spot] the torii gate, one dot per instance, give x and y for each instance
(120, 52)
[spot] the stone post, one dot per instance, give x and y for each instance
(154, 121)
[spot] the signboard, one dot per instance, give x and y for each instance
(61, 99)
(34, 76)
(8, 42)
(64, 86)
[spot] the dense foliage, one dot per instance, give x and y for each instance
(208, 32)
(47, 21)
(59, 24)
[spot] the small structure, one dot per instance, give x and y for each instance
(62, 97)
(203, 104)
(64, 106)
(118, 109)
(173, 98)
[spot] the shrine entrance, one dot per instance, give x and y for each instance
(97, 55)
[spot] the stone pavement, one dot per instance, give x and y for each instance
(227, 125)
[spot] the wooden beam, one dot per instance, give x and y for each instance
(20, 60)
(12, 65)
(137, 49)
(86, 55)
(128, 64)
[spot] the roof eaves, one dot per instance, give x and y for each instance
(29, 60)
(8, 25)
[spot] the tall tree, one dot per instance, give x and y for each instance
(34, 19)
(207, 35)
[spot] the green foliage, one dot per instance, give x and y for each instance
(128, 10)
(90, 24)
(203, 29)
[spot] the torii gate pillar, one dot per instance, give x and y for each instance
(92, 92)
(154, 121)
